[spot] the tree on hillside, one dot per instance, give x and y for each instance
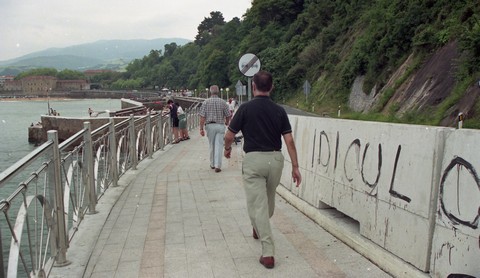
(283, 12)
(170, 49)
(38, 72)
(209, 27)
(67, 74)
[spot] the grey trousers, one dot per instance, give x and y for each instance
(261, 175)
(215, 134)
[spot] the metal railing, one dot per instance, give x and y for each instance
(57, 185)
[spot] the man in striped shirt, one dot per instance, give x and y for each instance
(214, 116)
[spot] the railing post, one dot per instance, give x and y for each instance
(197, 118)
(149, 136)
(89, 162)
(160, 132)
(59, 208)
(113, 153)
(191, 119)
(170, 133)
(133, 149)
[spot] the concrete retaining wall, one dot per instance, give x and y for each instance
(414, 190)
(66, 126)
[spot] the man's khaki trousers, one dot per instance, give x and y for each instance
(261, 175)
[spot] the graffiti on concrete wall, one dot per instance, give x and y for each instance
(370, 165)
(354, 149)
(455, 214)
(458, 215)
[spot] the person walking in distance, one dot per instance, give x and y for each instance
(214, 115)
(174, 120)
(262, 123)
(182, 123)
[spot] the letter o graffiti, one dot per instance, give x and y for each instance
(461, 162)
(323, 134)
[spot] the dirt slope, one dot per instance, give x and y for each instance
(424, 90)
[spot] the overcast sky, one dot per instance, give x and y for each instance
(27, 26)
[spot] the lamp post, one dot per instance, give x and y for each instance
(195, 92)
(227, 89)
(206, 90)
(221, 93)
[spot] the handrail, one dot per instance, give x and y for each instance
(49, 204)
(22, 163)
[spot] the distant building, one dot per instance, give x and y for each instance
(38, 84)
(4, 78)
(90, 73)
(72, 85)
(12, 85)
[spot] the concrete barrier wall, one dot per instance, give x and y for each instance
(388, 178)
(129, 103)
(456, 242)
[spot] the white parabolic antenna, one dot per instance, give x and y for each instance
(249, 64)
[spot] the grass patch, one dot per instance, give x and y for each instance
(453, 99)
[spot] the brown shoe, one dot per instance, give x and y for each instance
(217, 170)
(268, 262)
(255, 236)
(213, 167)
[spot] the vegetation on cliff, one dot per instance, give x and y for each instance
(331, 43)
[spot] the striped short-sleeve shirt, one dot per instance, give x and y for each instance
(214, 110)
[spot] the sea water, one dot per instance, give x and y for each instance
(17, 116)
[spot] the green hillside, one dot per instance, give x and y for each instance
(329, 43)
(103, 54)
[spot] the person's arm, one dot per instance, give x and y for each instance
(202, 126)
(227, 120)
(292, 152)
(229, 137)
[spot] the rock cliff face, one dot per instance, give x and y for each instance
(424, 90)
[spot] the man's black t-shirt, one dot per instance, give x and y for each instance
(262, 123)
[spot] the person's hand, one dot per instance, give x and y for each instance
(297, 177)
(202, 132)
(227, 152)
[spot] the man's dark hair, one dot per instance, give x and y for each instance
(169, 101)
(263, 81)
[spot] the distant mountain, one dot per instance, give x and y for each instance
(97, 55)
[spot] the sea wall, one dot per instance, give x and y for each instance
(66, 126)
(414, 190)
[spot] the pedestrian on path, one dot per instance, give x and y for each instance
(174, 120)
(214, 115)
(182, 123)
(262, 123)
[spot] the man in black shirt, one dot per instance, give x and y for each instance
(262, 123)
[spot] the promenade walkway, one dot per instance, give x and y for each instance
(175, 217)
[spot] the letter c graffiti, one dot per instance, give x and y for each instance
(355, 142)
